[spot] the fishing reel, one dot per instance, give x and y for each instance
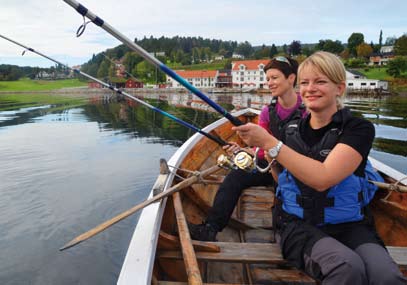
(242, 160)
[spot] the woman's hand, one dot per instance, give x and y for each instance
(255, 135)
(231, 148)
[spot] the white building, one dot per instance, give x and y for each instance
(237, 56)
(387, 49)
(357, 81)
(197, 78)
(249, 73)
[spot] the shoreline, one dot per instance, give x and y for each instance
(85, 91)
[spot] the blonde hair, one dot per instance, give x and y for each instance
(330, 66)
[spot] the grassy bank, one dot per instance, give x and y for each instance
(377, 73)
(17, 101)
(26, 84)
(396, 84)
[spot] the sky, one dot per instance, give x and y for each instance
(49, 26)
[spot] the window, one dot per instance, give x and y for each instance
(241, 78)
(350, 84)
(372, 83)
(261, 78)
(363, 84)
(241, 73)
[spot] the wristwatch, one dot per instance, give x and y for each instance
(273, 152)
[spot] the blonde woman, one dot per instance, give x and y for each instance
(323, 216)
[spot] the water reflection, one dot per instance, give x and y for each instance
(124, 116)
(66, 170)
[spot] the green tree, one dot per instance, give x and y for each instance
(306, 51)
(112, 70)
(400, 46)
(207, 53)
(335, 47)
(284, 48)
(364, 50)
(354, 40)
(390, 41)
(245, 49)
(294, 48)
(179, 56)
(196, 55)
(264, 52)
(273, 51)
(103, 70)
(355, 63)
(228, 64)
(130, 60)
(146, 72)
(397, 66)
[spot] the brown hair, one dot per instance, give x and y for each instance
(281, 63)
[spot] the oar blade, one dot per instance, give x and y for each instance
(70, 244)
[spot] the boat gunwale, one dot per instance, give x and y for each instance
(140, 254)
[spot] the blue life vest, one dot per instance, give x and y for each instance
(341, 203)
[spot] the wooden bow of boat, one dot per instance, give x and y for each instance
(161, 251)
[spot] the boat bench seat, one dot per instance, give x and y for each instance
(261, 253)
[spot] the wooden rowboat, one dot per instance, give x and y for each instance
(161, 251)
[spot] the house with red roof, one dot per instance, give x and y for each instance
(249, 73)
(197, 78)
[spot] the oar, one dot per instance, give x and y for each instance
(392, 187)
(185, 183)
(172, 117)
(143, 53)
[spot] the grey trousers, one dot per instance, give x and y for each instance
(334, 263)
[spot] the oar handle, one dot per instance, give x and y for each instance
(85, 12)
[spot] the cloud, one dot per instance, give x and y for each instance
(49, 26)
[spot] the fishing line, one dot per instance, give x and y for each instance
(175, 111)
(188, 125)
(82, 10)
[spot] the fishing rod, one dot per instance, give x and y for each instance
(172, 117)
(143, 53)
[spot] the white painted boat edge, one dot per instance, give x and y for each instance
(138, 263)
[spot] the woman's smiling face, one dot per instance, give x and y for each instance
(278, 83)
(318, 92)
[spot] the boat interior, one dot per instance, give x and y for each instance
(246, 251)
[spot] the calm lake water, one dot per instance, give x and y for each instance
(65, 171)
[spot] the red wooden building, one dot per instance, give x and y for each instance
(131, 83)
(93, 84)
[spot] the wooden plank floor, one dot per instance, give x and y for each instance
(252, 256)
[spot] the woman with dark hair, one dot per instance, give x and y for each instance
(286, 106)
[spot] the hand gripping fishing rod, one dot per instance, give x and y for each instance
(188, 125)
(143, 53)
